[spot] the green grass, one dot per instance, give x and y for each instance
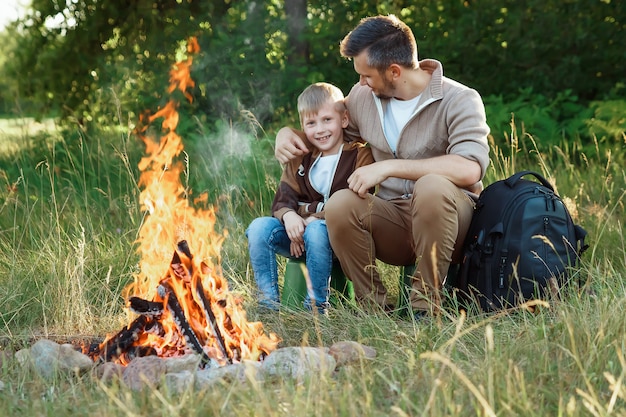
(69, 217)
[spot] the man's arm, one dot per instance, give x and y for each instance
(289, 144)
(463, 172)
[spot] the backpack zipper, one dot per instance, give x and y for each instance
(520, 200)
(502, 267)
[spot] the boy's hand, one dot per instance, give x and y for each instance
(294, 226)
(310, 220)
(289, 145)
(296, 249)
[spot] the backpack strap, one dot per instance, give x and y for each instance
(513, 179)
(580, 239)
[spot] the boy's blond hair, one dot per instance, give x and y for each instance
(316, 95)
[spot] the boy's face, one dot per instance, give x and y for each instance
(325, 128)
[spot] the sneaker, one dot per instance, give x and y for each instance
(420, 316)
(268, 306)
(321, 308)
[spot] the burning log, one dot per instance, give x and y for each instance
(145, 307)
(181, 298)
(200, 293)
(183, 270)
(206, 305)
(178, 314)
(122, 343)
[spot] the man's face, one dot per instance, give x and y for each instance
(381, 84)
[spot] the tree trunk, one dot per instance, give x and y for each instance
(296, 11)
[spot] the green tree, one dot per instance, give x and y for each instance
(71, 56)
(87, 58)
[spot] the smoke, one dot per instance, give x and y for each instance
(235, 164)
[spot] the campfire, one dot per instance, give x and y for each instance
(179, 302)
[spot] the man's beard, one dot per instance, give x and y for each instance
(387, 91)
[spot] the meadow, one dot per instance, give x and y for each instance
(70, 216)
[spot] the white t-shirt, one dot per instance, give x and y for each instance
(397, 114)
(321, 174)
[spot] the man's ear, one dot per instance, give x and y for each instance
(395, 71)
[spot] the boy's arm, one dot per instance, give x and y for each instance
(286, 198)
(289, 195)
(364, 155)
(314, 208)
(285, 209)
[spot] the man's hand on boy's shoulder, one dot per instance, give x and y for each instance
(289, 144)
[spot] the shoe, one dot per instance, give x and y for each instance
(321, 308)
(420, 316)
(268, 307)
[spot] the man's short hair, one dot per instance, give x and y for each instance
(387, 40)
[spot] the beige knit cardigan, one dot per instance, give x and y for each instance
(449, 119)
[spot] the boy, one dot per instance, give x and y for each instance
(297, 227)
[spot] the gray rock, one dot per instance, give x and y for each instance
(188, 362)
(49, 358)
(109, 371)
(348, 352)
(205, 378)
(22, 356)
(298, 363)
(144, 372)
(177, 382)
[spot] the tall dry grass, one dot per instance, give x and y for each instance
(69, 216)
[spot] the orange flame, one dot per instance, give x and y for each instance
(170, 218)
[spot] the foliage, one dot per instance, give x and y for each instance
(549, 46)
(68, 55)
(76, 58)
(551, 121)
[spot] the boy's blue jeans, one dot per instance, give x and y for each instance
(267, 237)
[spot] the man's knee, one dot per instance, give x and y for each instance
(336, 207)
(432, 184)
(432, 191)
(340, 198)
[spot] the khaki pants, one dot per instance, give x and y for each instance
(428, 229)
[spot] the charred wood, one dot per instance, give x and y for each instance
(145, 307)
(206, 305)
(121, 342)
(166, 291)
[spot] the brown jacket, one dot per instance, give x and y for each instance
(295, 191)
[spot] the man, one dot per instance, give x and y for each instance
(428, 136)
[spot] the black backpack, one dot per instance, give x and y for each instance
(521, 238)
